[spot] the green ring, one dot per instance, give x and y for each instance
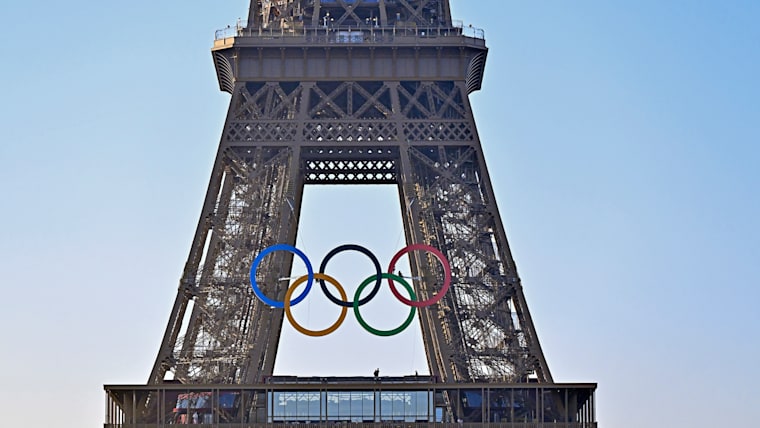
(396, 330)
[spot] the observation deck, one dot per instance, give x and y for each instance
(404, 35)
(360, 52)
(407, 401)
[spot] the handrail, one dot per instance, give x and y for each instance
(239, 30)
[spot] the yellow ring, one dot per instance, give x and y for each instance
(315, 333)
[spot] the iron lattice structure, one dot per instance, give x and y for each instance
(351, 92)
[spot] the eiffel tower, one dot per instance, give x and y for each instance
(349, 92)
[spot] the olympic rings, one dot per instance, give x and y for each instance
(446, 275)
(362, 250)
(309, 278)
(366, 326)
(260, 257)
(315, 333)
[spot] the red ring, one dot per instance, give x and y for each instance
(446, 275)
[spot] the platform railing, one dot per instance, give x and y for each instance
(375, 32)
(372, 425)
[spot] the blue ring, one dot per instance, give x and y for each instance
(281, 247)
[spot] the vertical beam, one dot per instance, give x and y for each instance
(253, 12)
(410, 216)
(446, 7)
(410, 213)
(290, 210)
(195, 324)
(190, 271)
(544, 374)
(264, 351)
(383, 14)
(315, 18)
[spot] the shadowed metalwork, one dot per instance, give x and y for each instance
(344, 111)
(353, 92)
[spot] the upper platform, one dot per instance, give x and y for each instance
(243, 36)
(349, 53)
(349, 40)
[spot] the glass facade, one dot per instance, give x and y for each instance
(344, 402)
(351, 406)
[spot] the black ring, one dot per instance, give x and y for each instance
(362, 250)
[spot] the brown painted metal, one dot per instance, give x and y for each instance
(374, 92)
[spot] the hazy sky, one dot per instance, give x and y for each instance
(623, 140)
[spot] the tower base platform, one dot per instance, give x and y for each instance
(355, 402)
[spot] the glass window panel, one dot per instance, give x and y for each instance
(278, 405)
(472, 405)
(386, 406)
(332, 406)
(368, 407)
(356, 406)
(315, 401)
(302, 405)
(399, 406)
(345, 406)
(524, 405)
(552, 401)
(234, 404)
(421, 404)
(500, 404)
(148, 415)
(339, 406)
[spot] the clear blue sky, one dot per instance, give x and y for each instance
(622, 138)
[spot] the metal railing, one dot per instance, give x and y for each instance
(338, 34)
(374, 425)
